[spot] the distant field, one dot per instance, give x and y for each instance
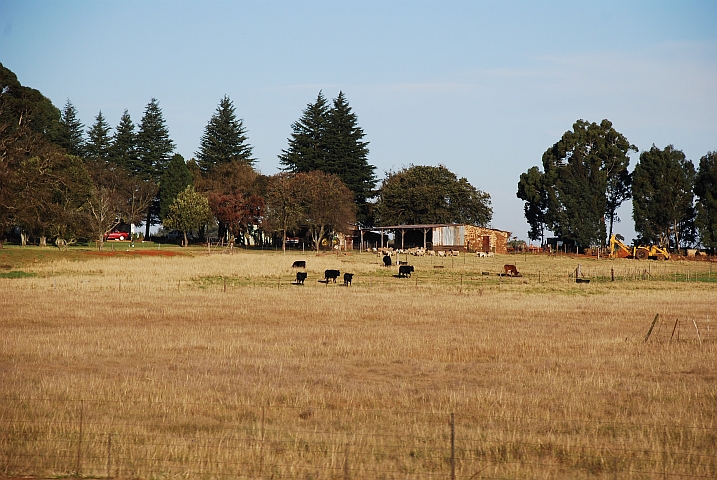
(165, 362)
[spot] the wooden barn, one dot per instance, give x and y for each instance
(438, 237)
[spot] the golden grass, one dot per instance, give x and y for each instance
(174, 374)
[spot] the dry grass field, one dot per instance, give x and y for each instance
(171, 363)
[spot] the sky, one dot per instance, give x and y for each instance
(484, 88)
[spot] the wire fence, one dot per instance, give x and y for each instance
(159, 439)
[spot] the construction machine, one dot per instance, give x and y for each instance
(618, 249)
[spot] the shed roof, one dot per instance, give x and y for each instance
(426, 225)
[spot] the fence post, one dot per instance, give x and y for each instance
(453, 447)
(346, 462)
(261, 445)
(109, 455)
(79, 441)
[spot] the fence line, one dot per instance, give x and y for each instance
(93, 438)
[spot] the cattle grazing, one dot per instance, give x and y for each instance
(404, 271)
(441, 253)
(300, 277)
(299, 264)
(347, 279)
(386, 261)
(511, 271)
(331, 275)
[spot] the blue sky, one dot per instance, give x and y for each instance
(481, 87)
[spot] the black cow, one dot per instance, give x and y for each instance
(347, 279)
(331, 275)
(300, 277)
(386, 261)
(299, 264)
(405, 271)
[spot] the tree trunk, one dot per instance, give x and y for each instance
(101, 243)
(43, 241)
(23, 239)
(146, 228)
(186, 242)
(283, 243)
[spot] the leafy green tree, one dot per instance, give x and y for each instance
(154, 147)
(327, 204)
(284, 206)
(224, 139)
(232, 183)
(584, 181)
(175, 180)
(98, 140)
(307, 146)
(29, 123)
(109, 200)
(124, 145)
(706, 192)
(189, 211)
(662, 198)
(426, 194)
(50, 191)
(531, 190)
(71, 131)
(25, 108)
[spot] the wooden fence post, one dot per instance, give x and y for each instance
(109, 455)
(79, 441)
(453, 447)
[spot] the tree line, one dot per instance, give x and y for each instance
(585, 179)
(60, 180)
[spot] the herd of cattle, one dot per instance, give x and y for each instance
(404, 271)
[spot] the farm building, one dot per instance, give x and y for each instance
(437, 237)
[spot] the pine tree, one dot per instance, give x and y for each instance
(224, 139)
(174, 180)
(307, 146)
(71, 136)
(124, 145)
(153, 143)
(330, 140)
(348, 154)
(98, 143)
(153, 149)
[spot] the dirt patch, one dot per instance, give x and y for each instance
(148, 253)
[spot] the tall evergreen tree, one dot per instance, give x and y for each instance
(98, 139)
(70, 135)
(307, 146)
(329, 139)
(174, 180)
(348, 155)
(224, 139)
(154, 147)
(662, 198)
(706, 191)
(124, 145)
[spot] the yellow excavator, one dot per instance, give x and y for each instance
(618, 249)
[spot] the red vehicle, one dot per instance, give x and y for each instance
(117, 235)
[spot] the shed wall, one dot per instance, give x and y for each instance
(498, 239)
